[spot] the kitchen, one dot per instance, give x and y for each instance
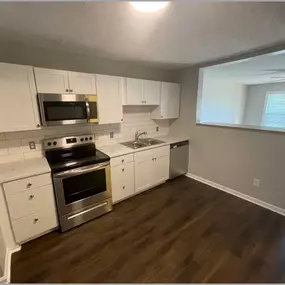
(114, 158)
(121, 139)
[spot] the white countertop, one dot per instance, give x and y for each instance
(118, 149)
(21, 169)
(24, 168)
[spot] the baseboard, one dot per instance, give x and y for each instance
(7, 270)
(238, 194)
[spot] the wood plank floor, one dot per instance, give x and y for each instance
(182, 231)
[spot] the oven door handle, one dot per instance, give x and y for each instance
(81, 170)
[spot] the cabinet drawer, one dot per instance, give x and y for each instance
(33, 225)
(155, 152)
(27, 183)
(30, 201)
(122, 160)
(122, 178)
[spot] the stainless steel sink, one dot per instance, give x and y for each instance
(142, 143)
(149, 142)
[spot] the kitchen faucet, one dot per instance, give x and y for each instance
(138, 134)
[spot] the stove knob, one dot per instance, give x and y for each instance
(86, 139)
(49, 143)
(54, 143)
(90, 138)
(82, 139)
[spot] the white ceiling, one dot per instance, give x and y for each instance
(257, 70)
(185, 33)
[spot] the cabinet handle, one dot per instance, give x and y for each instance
(36, 220)
(123, 169)
(122, 120)
(123, 160)
(38, 125)
(31, 197)
(71, 90)
(124, 187)
(66, 90)
(29, 185)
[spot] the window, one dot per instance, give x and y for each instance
(274, 110)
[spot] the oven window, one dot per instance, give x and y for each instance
(60, 111)
(84, 185)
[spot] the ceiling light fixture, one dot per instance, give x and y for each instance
(149, 6)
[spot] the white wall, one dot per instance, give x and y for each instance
(2, 254)
(222, 101)
(49, 58)
(255, 101)
(230, 156)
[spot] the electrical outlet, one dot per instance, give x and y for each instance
(157, 128)
(32, 145)
(256, 182)
(111, 135)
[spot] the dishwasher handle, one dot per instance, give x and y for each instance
(179, 144)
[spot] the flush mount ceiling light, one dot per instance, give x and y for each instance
(149, 6)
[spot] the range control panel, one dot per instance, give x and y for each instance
(68, 141)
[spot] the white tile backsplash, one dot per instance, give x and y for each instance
(15, 146)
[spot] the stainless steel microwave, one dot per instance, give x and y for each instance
(66, 109)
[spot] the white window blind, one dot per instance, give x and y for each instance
(274, 111)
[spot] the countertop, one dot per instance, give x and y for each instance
(118, 149)
(21, 169)
(24, 168)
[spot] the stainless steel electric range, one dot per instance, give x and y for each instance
(81, 178)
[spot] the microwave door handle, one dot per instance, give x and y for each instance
(88, 110)
(81, 170)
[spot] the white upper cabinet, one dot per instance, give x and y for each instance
(151, 92)
(133, 91)
(169, 102)
(81, 83)
(141, 92)
(51, 80)
(18, 107)
(62, 81)
(109, 91)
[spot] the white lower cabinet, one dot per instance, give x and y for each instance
(122, 178)
(135, 173)
(151, 168)
(31, 206)
(143, 180)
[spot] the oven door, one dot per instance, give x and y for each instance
(78, 188)
(62, 109)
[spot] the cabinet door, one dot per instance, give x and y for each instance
(116, 182)
(81, 83)
(160, 169)
(143, 179)
(170, 100)
(109, 90)
(18, 108)
(151, 92)
(51, 80)
(134, 91)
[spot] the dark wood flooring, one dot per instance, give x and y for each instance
(182, 231)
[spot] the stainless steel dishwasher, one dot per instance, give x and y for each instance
(179, 156)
